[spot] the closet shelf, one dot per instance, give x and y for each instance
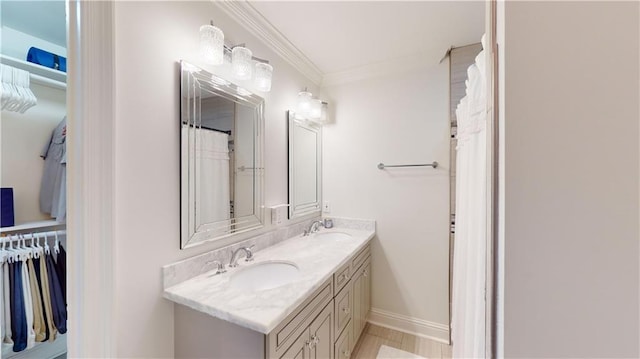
(39, 74)
(26, 227)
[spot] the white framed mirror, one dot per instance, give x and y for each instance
(305, 167)
(222, 170)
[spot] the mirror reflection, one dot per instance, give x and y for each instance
(305, 149)
(221, 156)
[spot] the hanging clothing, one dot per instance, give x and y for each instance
(57, 300)
(28, 305)
(61, 270)
(53, 185)
(38, 316)
(43, 283)
(19, 317)
(6, 293)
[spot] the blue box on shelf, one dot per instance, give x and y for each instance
(7, 218)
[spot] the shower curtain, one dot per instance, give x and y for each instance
(212, 182)
(469, 256)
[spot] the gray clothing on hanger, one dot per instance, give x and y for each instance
(53, 186)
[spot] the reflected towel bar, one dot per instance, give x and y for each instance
(382, 166)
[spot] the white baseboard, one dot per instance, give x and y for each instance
(418, 327)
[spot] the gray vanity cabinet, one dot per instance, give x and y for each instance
(326, 325)
(315, 341)
(361, 298)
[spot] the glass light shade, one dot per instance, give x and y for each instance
(211, 44)
(315, 110)
(241, 63)
(304, 105)
(264, 72)
(324, 118)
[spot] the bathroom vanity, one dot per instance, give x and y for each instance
(306, 297)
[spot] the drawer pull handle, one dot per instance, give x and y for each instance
(346, 310)
(344, 277)
(346, 353)
(365, 273)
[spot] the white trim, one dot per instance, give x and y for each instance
(418, 327)
(252, 20)
(90, 179)
(384, 68)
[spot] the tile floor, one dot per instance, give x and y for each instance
(374, 336)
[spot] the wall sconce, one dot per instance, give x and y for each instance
(311, 109)
(212, 44)
(244, 66)
(241, 63)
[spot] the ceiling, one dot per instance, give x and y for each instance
(43, 19)
(340, 36)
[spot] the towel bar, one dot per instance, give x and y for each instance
(434, 164)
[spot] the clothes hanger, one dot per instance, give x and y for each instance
(46, 244)
(56, 246)
(34, 248)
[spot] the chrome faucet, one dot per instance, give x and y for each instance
(219, 266)
(313, 228)
(248, 256)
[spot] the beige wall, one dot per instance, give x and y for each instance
(571, 90)
(151, 37)
(398, 119)
(23, 138)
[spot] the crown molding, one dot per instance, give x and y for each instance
(252, 20)
(380, 69)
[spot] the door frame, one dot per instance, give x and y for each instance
(91, 179)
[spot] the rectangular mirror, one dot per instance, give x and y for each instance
(222, 172)
(305, 167)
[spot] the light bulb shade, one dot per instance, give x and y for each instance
(324, 117)
(304, 105)
(211, 44)
(315, 111)
(264, 73)
(241, 63)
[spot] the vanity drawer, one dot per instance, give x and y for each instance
(359, 258)
(295, 323)
(344, 344)
(342, 277)
(343, 304)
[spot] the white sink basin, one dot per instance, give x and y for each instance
(336, 236)
(266, 275)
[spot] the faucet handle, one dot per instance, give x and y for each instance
(219, 268)
(249, 256)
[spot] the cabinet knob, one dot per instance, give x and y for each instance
(345, 276)
(346, 310)
(310, 344)
(316, 339)
(346, 353)
(365, 273)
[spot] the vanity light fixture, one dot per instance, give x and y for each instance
(241, 63)
(311, 109)
(303, 110)
(212, 44)
(264, 72)
(244, 66)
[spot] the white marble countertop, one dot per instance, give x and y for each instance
(262, 311)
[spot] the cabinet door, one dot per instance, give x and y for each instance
(299, 349)
(358, 299)
(321, 334)
(366, 302)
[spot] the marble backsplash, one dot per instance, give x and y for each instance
(183, 270)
